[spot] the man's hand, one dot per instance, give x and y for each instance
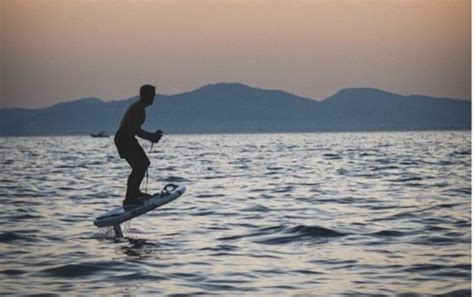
(156, 136)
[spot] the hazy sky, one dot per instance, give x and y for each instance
(61, 50)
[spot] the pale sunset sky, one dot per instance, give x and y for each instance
(60, 50)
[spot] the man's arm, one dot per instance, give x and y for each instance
(144, 134)
(153, 137)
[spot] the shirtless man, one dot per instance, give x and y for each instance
(129, 148)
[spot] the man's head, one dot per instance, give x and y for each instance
(147, 94)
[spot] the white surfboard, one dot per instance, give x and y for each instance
(121, 214)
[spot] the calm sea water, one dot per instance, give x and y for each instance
(272, 214)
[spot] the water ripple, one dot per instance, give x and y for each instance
(343, 214)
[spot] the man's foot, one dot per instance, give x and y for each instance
(139, 198)
(144, 195)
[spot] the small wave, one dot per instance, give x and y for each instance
(388, 233)
(12, 272)
(7, 180)
(447, 205)
(234, 237)
(445, 163)
(79, 270)
(408, 179)
(342, 171)
(431, 228)
(307, 272)
(286, 189)
(168, 168)
(138, 276)
(436, 267)
(271, 173)
(395, 217)
(64, 188)
(204, 213)
(384, 161)
(303, 233)
(314, 231)
(460, 153)
(175, 179)
(463, 223)
(260, 232)
(336, 263)
(439, 240)
(257, 208)
(385, 168)
(66, 167)
(332, 156)
(24, 217)
(221, 247)
(409, 162)
(456, 293)
(7, 237)
(345, 200)
(275, 168)
(209, 195)
(466, 191)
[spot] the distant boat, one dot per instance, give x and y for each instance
(100, 134)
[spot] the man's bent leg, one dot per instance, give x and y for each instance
(139, 163)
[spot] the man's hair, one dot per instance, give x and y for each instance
(146, 89)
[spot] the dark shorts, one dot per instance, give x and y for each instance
(130, 150)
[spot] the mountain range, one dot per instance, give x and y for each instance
(237, 108)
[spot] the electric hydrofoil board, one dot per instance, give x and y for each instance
(121, 214)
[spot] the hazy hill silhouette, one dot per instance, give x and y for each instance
(232, 107)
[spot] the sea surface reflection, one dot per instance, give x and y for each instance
(264, 214)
